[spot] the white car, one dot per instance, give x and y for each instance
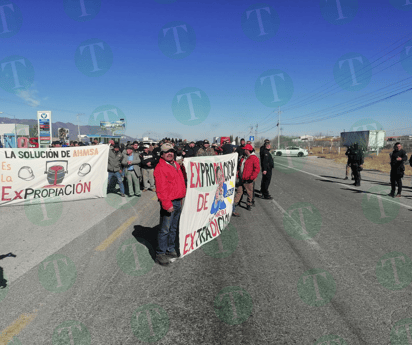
(291, 151)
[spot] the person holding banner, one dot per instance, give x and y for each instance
(248, 173)
(170, 191)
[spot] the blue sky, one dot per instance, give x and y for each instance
(202, 69)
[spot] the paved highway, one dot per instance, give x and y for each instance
(323, 261)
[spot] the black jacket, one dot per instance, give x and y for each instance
(398, 167)
(266, 160)
(146, 158)
(156, 153)
(240, 150)
(227, 148)
(355, 156)
(195, 149)
(261, 152)
(189, 151)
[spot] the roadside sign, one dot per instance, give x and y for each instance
(251, 138)
(44, 127)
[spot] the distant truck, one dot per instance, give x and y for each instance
(220, 140)
(370, 140)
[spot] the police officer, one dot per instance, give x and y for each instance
(356, 163)
(398, 157)
(348, 164)
(262, 148)
(267, 166)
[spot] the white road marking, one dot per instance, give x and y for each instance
(347, 186)
(309, 240)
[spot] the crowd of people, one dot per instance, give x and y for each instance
(159, 168)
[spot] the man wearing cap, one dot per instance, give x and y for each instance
(147, 163)
(248, 172)
(189, 150)
(206, 150)
(114, 167)
(131, 163)
(170, 191)
(156, 151)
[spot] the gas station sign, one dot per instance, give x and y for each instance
(44, 124)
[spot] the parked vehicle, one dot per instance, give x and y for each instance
(291, 151)
(369, 140)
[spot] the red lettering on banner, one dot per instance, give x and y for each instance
(184, 248)
(202, 202)
(191, 171)
(4, 193)
(201, 198)
(193, 240)
(86, 187)
(198, 182)
(18, 196)
(214, 223)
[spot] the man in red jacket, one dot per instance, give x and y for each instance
(170, 190)
(248, 173)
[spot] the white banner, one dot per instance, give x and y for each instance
(209, 199)
(53, 175)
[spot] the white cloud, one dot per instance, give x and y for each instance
(30, 96)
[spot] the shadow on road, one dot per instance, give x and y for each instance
(362, 179)
(3, 282)
(148, 237)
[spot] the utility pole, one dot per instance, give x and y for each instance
(78, 125)
(256, 132)
(15, 132)
(279, 112)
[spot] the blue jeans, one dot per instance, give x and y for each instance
(169, 223)
(119, 181)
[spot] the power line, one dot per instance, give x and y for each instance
(371, 96)
(339, 90)
(352, 110)
(332, 81)
(345, 112)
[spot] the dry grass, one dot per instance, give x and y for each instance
(372, 161)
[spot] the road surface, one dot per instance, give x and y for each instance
(323, 261)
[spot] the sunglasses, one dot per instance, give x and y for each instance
(171, 150)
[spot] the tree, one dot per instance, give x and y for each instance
(33, 131)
